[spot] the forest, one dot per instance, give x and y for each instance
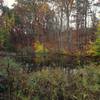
(50, 50)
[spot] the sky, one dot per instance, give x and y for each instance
(9, 3)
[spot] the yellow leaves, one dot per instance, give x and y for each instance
(9, 22)
(90, 49)
(39, 48)
(63, 51)
(40, 51)
(95, 47)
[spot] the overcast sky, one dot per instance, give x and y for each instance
(9, 2)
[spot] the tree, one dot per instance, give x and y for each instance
(50, 19)
(6, 24)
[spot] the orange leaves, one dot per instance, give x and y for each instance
(43, 8)
(42, 11)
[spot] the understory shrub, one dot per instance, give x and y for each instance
(58, 84)
(52, 83)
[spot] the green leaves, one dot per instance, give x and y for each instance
(13, 66)
(8, 20)
(94, 47)
(3, 35)
(46, 83)
(97, 42)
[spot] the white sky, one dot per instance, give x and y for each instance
(9, 3)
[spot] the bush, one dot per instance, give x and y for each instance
(55, 83)
(47, 84)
